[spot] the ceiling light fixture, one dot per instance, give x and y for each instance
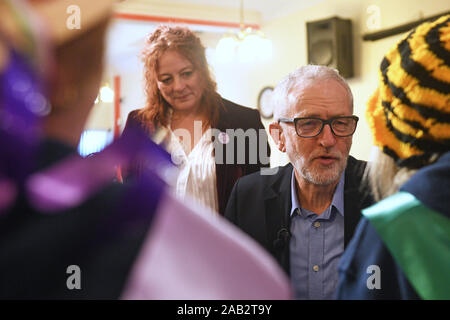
(106, 94)
(245, 46)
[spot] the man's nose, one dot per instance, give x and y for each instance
(179, 84)
(326, 137)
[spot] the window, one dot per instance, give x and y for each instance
(94, 141)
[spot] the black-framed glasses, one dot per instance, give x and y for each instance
(310, 127)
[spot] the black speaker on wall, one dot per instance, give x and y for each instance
(330, 43)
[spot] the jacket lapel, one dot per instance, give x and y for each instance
(224, 173)
(355, 197)
(277, 200)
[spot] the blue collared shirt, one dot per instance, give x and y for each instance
(316, 246)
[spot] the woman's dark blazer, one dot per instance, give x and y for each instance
(232, 166)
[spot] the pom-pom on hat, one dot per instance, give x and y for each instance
(409, 113)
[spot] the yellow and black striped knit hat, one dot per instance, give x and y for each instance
(409, 113)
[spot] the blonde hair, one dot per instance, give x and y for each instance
(384, 176)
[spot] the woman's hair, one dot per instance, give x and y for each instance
(184, 41)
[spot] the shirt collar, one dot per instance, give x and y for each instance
(338, 197)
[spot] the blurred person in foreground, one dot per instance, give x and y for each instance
(212, 140)
(401, 249)
(68, 232)
(40, 250)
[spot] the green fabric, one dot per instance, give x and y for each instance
(419, 240)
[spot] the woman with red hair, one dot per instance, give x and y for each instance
(185, 113)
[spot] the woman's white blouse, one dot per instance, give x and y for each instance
(197, 170)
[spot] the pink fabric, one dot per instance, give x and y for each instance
(191, 254)
(8, 193)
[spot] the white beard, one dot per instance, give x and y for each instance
(322, 177)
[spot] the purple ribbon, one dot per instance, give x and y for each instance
(22, 102)
(70, 182)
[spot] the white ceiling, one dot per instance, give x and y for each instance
(126, 38)
(269, 9)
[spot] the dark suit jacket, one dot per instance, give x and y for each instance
(260, 205)
(231, 116)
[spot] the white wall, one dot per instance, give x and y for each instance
(242, 83)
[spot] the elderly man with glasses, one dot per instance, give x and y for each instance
(305, 213)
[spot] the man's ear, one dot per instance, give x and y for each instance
(276, 132)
